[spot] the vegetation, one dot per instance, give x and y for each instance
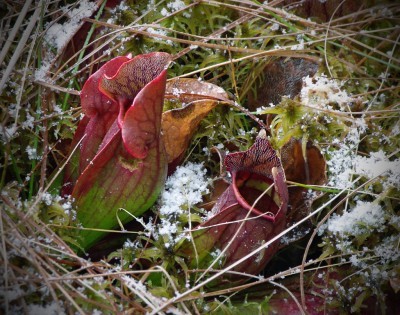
(326, 76)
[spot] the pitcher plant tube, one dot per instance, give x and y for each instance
(121, 161)
(248, 213)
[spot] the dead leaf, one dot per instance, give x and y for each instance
(310, 170)
(282, 77)
(180, 124)
(186, 90)
(324, 10)
(395, 284)
(298, 169)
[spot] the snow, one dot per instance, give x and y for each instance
(47, 198)
(50, 309)
(8, 133)
(11, 293)
(41, 74)
(364, 217)
(299, 46)
(275, 27)
(162, 32)
(183, 189)
(344, 163)
(340, 162)
(32, 153)
(152, 301)
(29, 120)
(320, 92)
(388, 251)
(174, 6)
(58, 35)
(378, 164)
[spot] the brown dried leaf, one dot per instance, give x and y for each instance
(310, 170)
(179, 125)
(187, 90)
(297, 169)
(324, 10)
(395, 280)
(282, 77)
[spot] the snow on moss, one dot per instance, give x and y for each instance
(42, 73)
(49, 309)
(344, 164)
(183, 189)
(364, 217)
(378, 164)
(174, 6)
(321, 92)
(32, 153)
(340, 161)
(159, 31)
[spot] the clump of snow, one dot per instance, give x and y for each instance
(47, 198)
(365, 216)
(29, 121)
(275, 27)
(64, 204)
(42, 73)
(378, 164)
(174, 6)
(8, 133)
(183, 189)
(340, 161)
(116, 12)
(344, 164)
(177, 92)
(320, 92)
(50, 309)
(32, 153)
(59, 35)
(388, 251)
(299, 46)
(162, 32)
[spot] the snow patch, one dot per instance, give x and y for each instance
(378, 164)
(320, 92)
(42, 73)
(183, 189)
(50, 309)
(174, 6)
(58, 35)
(363, 217)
